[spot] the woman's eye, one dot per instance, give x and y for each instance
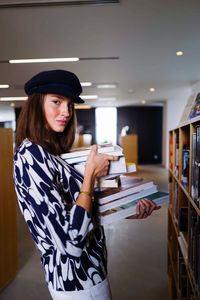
(56, 102)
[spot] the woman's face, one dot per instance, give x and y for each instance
(58, 111)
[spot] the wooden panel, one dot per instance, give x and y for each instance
(129, 144)
(8, 228)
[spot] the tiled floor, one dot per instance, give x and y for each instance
(137, 255)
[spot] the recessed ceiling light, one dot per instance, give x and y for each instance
(106, 86)
(143, 101)
(4, 86)
(13, 98)
(89, 96)
(152, 90)
(12, 104)
(86, 83)
(41, 60)
(107, 99)
(179, 53)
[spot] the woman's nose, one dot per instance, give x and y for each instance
(65, 110)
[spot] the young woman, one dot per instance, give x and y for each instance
(55, 199)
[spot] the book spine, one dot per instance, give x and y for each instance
(185, 168)
(193, 165)
(176, 202)
(198, 143)
(176, 154)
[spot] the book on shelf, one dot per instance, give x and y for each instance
(128, 186)
(187, 109)
(129, 209)
(195, 110)
(176, 154)
(185, 165)
(194, 259)
(171, 153)
(183, 247)
(183, 219)
(170, 187)
(176, 202)
(182, 276)
(195, 184)
(193, 166)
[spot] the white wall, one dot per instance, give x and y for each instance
(7, 113)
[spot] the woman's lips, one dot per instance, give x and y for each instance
(62, 122)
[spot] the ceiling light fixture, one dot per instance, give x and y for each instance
(179, 53)
(83, 106)
(42, 60)
(106, 86)
(143, 101)
(13, 98)
(86, 83)
(4, 86)
(152, 90)
(106, 99)
(89, 97)
(12, 104)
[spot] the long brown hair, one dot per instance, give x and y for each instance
(32, 125)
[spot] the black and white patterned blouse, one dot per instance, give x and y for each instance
(73, 252)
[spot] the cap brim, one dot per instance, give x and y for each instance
(60, 91)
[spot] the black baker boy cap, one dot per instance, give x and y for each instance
(59, 82)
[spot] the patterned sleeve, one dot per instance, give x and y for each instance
(42, 204)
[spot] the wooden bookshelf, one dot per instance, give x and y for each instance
(8, 227)
(183, 214)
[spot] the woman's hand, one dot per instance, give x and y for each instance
(98, 164)
(144, 208)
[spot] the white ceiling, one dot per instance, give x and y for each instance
(144, 34)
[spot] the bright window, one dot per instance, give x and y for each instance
(106, 125)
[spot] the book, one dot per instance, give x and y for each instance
(176, 154)
(185, 166)
(193, 165)
(129, 209)
(187, 109)
(171, 153)
(195, 110)
(84, 151)
(128, 186)
(107, 182)
(176, 202)
(116, 167)
(133, 197)
(82, 158)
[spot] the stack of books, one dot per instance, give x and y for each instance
(78, 157)
(117, 194)
(113, 204)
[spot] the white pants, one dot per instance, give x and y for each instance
(101, 291)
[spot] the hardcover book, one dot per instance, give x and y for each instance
(128, 186)
(195, 111)
(133, 197)
(84, 151)
(129, 209)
